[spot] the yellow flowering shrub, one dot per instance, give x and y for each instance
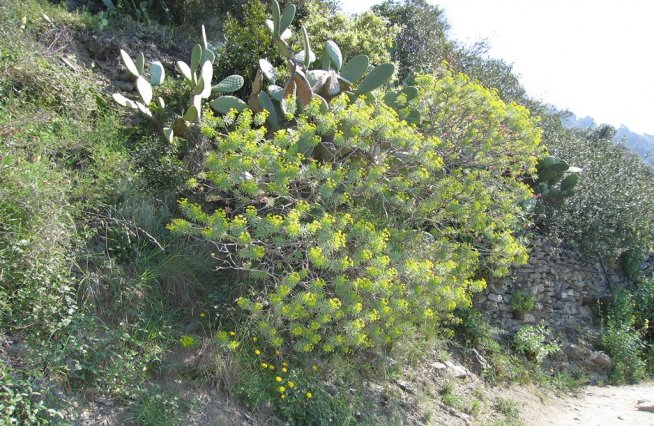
(352, 228)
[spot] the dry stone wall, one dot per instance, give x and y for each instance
(565, 286)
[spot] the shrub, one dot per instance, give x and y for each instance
(247, 41)
(356, 251)
(610, 212)
(622, 342)
(522, 302)
(20, 403)
(366, 34)
(490, 143)
(532, 340)
(470, 327)
(420, 31)
(643, 296)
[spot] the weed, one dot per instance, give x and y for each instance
(509, 409)
(20, 402)
(622, 341)
(155, 408)
(533, 342)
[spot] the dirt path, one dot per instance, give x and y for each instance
(605, 406)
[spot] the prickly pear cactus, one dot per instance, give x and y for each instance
(305, 85)
(555, 180)
(198, 75)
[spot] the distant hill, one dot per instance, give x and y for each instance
(641, 144)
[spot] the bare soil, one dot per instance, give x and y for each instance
(594, 406)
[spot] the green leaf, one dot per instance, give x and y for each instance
(334, 53)
(129, 64)
(191, 114)
(267, 104)
(229, 84)
(299, 57)
(157, 73)
(276, 92)
(144, 109)
(123, 101)
(307, 47)
(355, 68)
(413, 116)
(287, 17)
(144, 89)
(376, 78)
(196, 56)
(184, 70)
(276, 18)
(389, 99)
(569, 182)
(206, 75)
(207, 55)
(560, 166)
(223, 104)
(204, 39)
(168, 134)
(411, 92)
(268, 70)
(324, 106)
(199, 87)
(546, 162)
(140, 63)
(109, 5)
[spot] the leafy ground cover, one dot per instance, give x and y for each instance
(311, 273)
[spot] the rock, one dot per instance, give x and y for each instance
(530, 318)
(575, 352)
(405, 386)
(483, 364)
(601, 359)
(16, 348)
(457, 371)
(104, 401)
(438, 366)
(192, 327)
(495, 297)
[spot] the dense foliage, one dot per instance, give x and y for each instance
(386, 235)
(610, 212)
(421, 43)
(366, 34)
(309, 251)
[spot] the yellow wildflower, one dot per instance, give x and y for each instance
(309, 395)
(282, 389)
(279, 379)
(264, 365)
(257, 352)
(254, 338)
(291, 385)
(284, 369)
(202, 315)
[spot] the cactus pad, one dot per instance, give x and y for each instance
(376, 78)
(229, 84)
(157, 73)
(355, 68)
(223, 104)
